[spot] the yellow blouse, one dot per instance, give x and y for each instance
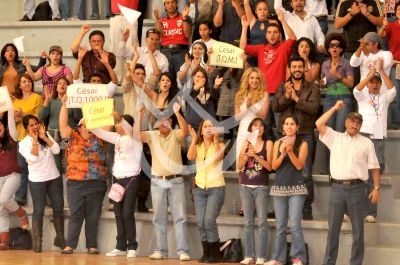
(209, 170)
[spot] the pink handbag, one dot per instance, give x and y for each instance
(117, 191)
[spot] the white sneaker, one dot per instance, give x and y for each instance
(346, 218)
(370, 219)
(184, 257)
(248, 260)
(157, 255)
(260, 261)
(131, 253)
(116, 253)
(273, 262)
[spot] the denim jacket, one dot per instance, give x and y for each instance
(19, 67)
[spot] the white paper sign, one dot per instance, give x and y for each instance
(252, 137)
(130, 14)
(79, 94)
(5, 100)
(19, 43)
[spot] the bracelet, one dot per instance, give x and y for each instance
(377, 188)
(351, 14)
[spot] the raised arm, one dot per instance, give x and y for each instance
(104, 60)
(360, 86)
(110, 137)
(285, 25)
(192, 152)
(77, 67)
(65, 130)
(183, 126)
(322, 121)
(187, 22)
(249, 13)
(218, 17)
(243, 37)
(12, 129)
(78, 39)
(343, 19)
(35, 76)
(238, 8)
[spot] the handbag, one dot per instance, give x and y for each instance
(231, 251)
(20, 239)
(117, 191)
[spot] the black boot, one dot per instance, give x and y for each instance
(58, 222)
(206, 252)
(37, 227)
(307, 208)
(215, 255)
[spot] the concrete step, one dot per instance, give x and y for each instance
(381, 254)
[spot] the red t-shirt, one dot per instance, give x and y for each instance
(393, 34)
(173, 31)
(272, 60)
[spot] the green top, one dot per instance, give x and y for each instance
(50, 115)
(338, 89)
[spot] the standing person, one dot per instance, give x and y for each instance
(319, 10)
(26, 102)
(251, 101)
(80, 8)
(288, 192)
(373, 104)
(348, 177)
(302, 23)
(175, 29)
(305, 48)
(254, 163)
(50, 73)
(86, 181)
(39, 148)
(392, 32)
(209, 186)
(50, 112)
(91, 62)
(9, 179)
(29, 10)
(126, 168)
(302, 99)
(337, 75)
(167, 187)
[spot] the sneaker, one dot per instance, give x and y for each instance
(297, 261)
(273, 262)
(116, 253)
(260, 261)
(157, 255)
(370, 219)
(346, 218)
(131, 253)
(248, 260)
(184, 257)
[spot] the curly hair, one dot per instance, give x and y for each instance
(336, 36)
(253, 96)
(313, 51)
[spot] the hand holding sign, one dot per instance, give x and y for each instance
(226, 55)
(79, 94)
(99, 114)
(130, 15)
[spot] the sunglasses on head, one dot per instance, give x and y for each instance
(334, 45)
(272, 16)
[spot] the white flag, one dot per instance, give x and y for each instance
(19, 43)
(252, 137)
(130, 14)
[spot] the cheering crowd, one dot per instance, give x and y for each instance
(183, 117)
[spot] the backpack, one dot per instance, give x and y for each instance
(20, 239)
(43, 12)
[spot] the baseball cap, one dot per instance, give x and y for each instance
(372, 37)
(354, 115)
(56, 48)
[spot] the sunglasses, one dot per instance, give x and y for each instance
(334, 45)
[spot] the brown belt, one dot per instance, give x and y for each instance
(166, 177)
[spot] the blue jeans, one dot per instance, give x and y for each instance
(395, 106)
(255, 200)
(39, 191)
(323, 23)
(22, 191)
(351, 199)
(170, 193)
(176, 58)
(337, 120)
(208, 204)
(292, 206)
(80, 9)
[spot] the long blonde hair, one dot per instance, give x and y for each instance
(253, 96)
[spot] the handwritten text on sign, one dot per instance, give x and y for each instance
(5, 100)
(226, 55)
(79, 94)
(98, 114)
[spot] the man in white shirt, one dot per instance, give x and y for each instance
(351, 156)
(373, 104)
(155, 63)
(29, 10)
(303, 23)
(318, 9)
(370, 54)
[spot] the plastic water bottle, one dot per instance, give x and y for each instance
(234, 208)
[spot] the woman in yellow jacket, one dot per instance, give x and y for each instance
(209, 190)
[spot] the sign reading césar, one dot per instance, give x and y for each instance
(226, 55)
(98, 114)
(79, 94)
(5, 100)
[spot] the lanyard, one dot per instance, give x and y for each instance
(375, 104)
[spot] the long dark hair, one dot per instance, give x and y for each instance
(206, 85)
(299, 139)
(173, 90)
(55, 92)
(18, 91)
(25, 123)
(313, 51)
(3, 52)
(5, 141)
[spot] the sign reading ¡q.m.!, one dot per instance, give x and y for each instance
(5, 100)
(227, 55)
(79, 94)
(98, 114)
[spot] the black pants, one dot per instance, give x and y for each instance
(39, 191)
(124, 215)
(85, 200)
